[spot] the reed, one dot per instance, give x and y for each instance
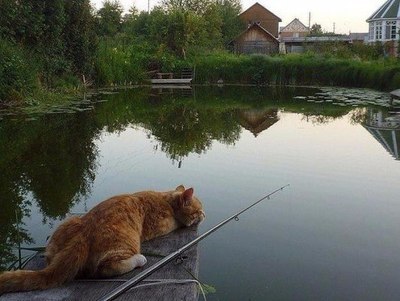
(306, 69)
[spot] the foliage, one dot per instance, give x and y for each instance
(109, 18)
(297, 70)
(68, 39)
(79, 35)
(196, 6)
(119, 62)
(17, 73)
(57, 35)
(316, 30)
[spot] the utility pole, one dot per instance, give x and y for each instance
(309, 21)
(334, 27)
(148, 6)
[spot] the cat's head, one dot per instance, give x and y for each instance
(188, 209)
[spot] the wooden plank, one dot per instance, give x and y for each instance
(172, 87)
(153, 250)
(395, 93)
(169, 75)
(171, 81)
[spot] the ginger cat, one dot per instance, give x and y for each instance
(105, 242)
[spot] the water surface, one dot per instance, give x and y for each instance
(333, 235)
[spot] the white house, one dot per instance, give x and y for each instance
(384, 24)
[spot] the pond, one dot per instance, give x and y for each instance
(333, 235)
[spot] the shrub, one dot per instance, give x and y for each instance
(17, 74)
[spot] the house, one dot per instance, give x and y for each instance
(257, 121)
(294, 29)
(386, 130)
(255, 39)
(359, 37)
(260, 15)
(384, 24)
(302, 44)
(261, 35)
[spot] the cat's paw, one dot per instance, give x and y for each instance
(138, 260)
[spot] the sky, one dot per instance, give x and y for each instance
(347, 15)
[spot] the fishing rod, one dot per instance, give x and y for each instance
(139, 277)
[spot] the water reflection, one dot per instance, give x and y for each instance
(51, 162)
(385, 127)
(257, 121)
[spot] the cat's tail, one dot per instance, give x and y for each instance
(63, 267)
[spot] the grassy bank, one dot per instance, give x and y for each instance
(23, 81)
(126, 63)
(306, 69)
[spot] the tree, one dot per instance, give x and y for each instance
(79, 35)
(228, 12)
(109, 18)
(316, 30)
(196, 6)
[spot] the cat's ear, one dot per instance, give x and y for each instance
(180, 188)
(186, 197)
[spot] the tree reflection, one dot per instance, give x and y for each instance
(50, 161)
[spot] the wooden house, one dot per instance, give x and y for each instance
(294, 29)
(255, 39)
(257, 121)
(260, 15)
(261, 35)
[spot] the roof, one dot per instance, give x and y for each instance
(389, 138)
(295, 26)
(358, 36)
(257, 26)
(258, 121)
(316, 39)
(262, 7)
(389, 10)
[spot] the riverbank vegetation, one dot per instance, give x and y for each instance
(53, 47)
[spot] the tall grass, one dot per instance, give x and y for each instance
(117, 63)
(297, 70)
(125, 60)
(18, 75)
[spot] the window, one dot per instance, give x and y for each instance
(378, 31)
(391, 30)
(371, 31)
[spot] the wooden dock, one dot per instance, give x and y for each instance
(394, 96)
(167, 78)
(154, 250)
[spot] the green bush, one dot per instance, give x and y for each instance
(17, 73)
(118, 62)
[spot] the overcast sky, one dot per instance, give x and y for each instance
(348, 15)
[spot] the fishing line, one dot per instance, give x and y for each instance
(141, 276)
